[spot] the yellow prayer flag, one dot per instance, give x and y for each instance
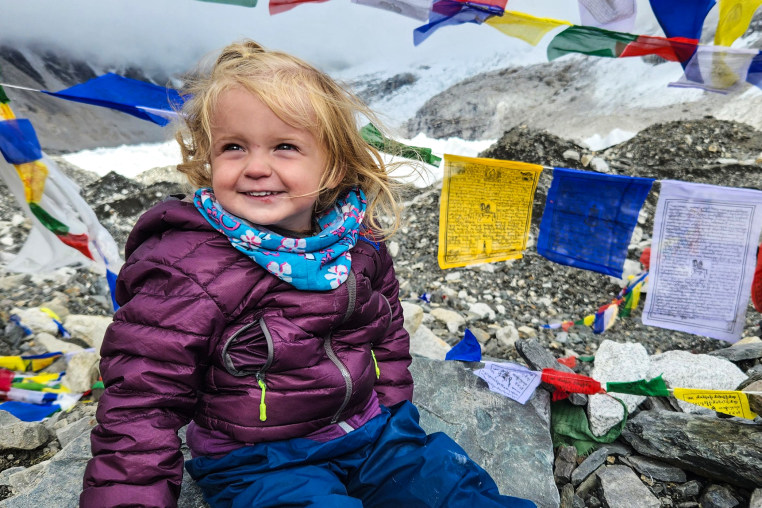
(12, 363)
(485, 210)
(525, 27)
(735, 16)
(732, 403)
(6, 113)
(33, 174)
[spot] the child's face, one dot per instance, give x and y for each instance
(263, 170)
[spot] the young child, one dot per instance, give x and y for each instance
(265, 312)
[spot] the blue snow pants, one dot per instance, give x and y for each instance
(389, 462)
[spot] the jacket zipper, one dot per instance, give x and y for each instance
(373, 354)
(328, 346)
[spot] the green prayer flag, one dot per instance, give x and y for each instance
(589, 40)
(569, 426)
(374, 138)
(48, 220)
(3, 98)
(654, 387)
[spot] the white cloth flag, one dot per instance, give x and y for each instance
(510, 379)
(416, 9)
(717, 69)
(616, 15)
(702, 258)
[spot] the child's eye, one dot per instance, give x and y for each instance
(231, 147)
(286, 146)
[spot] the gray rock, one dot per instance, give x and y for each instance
(538, 358)
(591, 463)
(725, 450)
(687, 489)
(717, 496)
(655, 469)
(567, 496)
(81, 372)
(413, 315)
(621, 487)
(566, 461)
(89, 328)
(70, 432)
(589, 484)
(687, 370)
(425, 343)
(16, 434)
(756, 499)
(508, 439)
(617, 448)
(740, 352)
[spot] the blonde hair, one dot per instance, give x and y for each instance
(303, 97)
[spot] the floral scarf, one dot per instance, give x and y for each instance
(317, 263)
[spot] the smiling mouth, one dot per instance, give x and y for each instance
(261, 194)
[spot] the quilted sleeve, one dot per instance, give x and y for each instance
(152, 362)
(392, 353)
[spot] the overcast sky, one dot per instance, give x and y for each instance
(174, 34)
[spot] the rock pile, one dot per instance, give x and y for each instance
(666, 455)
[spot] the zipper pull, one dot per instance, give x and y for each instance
(262, 405)
(375, 363)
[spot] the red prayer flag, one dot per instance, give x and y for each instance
(675, 49)
(278, 6)
(571, 382)
(569, 361)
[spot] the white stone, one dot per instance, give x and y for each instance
(681, 369)
(52, 344)
(450, 318)
(413, 316)
(631, 268)
(507, 336)
(36, 320)
(571, 155)
(425, 343)
(453, 276)
(91, 329)
(393, 248)
(614, 362)
(482, 310)
(527, 331)
(600, 165)
(81, 372)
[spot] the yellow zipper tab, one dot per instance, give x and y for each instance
(262, 405)
(375, 363)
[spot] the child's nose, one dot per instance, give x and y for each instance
(257, 165)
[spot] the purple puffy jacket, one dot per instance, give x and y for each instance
(201, 326)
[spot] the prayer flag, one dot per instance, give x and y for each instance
(523, 26)
(18, 141)
(605, 317)
(717, 69)
(278, 6)
(589, 40)
(485, 210)
(703, 255)
(454, 12)
(509, 379)
(654, 387)
(6, 379)
(27, 412)
(608, 14)
(569, 425)
(676, 49)
(137, 98)
(570, 382)
(728, 402)
(374, 138)
(682, 18)
(589, 219)
(754, 75)
(467, 350)
(242, 3)
(416, 9)
(735, 16)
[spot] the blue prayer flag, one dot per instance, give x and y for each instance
(589, 219)
(682, 18)
(18, 141)
(467, 350)
(754, 75)
(453, 12)
(28, 412)
(137, 98)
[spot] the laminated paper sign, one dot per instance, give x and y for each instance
(485, 210)
(702, 258)
(728, 402)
